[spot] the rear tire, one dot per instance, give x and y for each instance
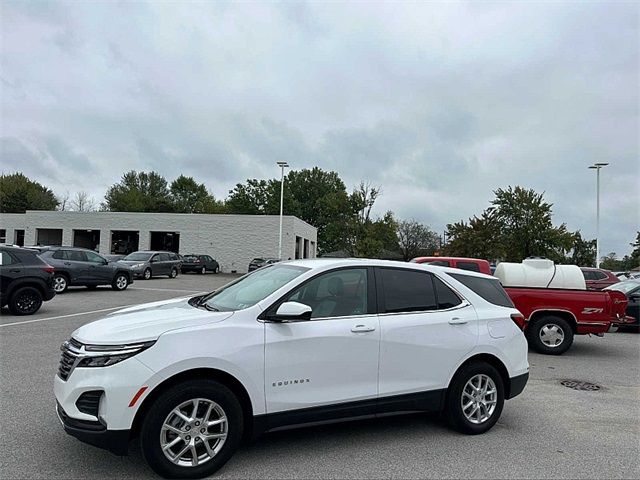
(25, 301)
(215, 403)
(550, 335)
(173, 273)
(475, 398)
(60, 283)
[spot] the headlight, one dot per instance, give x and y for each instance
(105, 355)
(137, 265)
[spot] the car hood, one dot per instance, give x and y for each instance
(145, 322)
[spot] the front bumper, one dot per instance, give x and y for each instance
(95, 433)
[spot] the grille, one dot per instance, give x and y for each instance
(67, 359)
(580, 385)
(89, 402)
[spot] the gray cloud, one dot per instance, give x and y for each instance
(439, 103)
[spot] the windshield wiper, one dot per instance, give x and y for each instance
(209, 307)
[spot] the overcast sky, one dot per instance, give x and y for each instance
(438, 103)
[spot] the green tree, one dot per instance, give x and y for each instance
(415, 239)
(481, 237)
(188, 196)
(19, 194)
(634, 258)
(139, 192)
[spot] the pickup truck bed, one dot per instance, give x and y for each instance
(552, 316)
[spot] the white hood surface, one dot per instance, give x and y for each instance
(145, 322)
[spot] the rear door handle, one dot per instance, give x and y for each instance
(362, 329)
(458, 321)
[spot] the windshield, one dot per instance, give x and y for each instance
(624, 287)
(138, 256)
(250, 289)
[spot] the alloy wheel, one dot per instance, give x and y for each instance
(121, 282)
(479, 399)
(59, 284)
(194, 432)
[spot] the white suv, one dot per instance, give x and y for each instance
(292, 343)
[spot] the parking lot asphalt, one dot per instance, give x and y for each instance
(549, 431)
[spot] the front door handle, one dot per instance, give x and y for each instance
(362, 329)
(458, 321)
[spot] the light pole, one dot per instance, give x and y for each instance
(282, 166)
(597, 167)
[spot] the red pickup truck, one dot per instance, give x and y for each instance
(552, 316)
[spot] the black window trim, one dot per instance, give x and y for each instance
(371, 297)
(380, 295)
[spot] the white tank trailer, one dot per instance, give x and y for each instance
(541, 273)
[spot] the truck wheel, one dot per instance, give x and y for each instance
(191, 430)
(475, 398)
(25, 301)
(550, 335)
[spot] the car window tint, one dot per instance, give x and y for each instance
(588, 275)
(447, 298)
(60, 254)
(335, 294)
(6, 259)
(407, 290)
(163, 257)
(487, 288)
(94, 258)
(599, 275)
(472, 266)
(75, 256)
(440, 263)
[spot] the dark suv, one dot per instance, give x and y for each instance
(25, 280)
(79, 266)
(146, 264)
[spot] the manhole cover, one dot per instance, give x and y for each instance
(580, 385)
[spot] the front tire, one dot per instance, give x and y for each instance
(25, 301)
(60, 283)
(475, 398)
(550, 335)
(203, 270)
(147, 274)
(120, 283)
(191, 430)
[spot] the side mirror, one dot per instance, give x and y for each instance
(105, 261)
(292, 311)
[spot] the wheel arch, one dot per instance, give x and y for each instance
(495, 362)
(25, 282)
(564, 314)
(220, 376)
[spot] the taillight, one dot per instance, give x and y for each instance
(518, 318)
(48, 268)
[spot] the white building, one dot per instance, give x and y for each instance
(233, 240)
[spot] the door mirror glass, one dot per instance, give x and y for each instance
(293, 311)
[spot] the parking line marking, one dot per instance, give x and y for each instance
(79, 313)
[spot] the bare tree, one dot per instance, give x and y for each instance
(63, 202)
(416, 239)
(82, 202)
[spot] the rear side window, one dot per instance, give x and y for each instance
(75, 256)
(472, 266)
(588, 275)
(6, 259)
(487, 288)
(59, 255)
(447, 298)
(407, 290)
(599, 275)
(440, 263)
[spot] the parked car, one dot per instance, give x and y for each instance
(80, 266)
(598, 278)
(25, 280)
(257, 263)
(199, 263)
(471, 264)
(292, 343)
(631, 288)
(621, 276)
(148, 264)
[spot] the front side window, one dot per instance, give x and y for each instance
(407, 290)
(340, 293)
(252, 288)
(489, 289)
(137, 257)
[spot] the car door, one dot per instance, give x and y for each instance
(157, 265)
(331, 358)
(75, 261)
(10, 269)
(427, 329)
(99, 270)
